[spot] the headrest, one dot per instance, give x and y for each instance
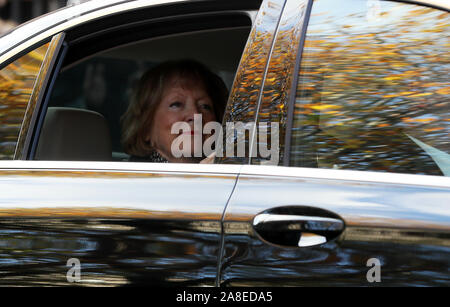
(70, 134)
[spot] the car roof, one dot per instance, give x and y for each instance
(445, 4)
(36, 30)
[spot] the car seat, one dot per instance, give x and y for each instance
(70, 134)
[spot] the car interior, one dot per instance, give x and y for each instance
(92, 90)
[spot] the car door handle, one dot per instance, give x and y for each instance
(297, 230)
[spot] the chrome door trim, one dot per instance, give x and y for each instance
(121, 166)
(267, 217)
(347, 175)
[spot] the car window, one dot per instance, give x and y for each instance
(17, 80)
(104, 82)
(373, 89)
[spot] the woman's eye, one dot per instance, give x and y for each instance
(175, 104)
(206, 106)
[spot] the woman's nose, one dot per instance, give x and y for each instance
(191, 111)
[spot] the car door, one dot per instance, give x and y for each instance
(354, 190)
(101, 223)
(123, 225)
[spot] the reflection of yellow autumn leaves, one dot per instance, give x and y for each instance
(418, 120)
(321, 107)
(443, 91)
(375, 87)
(16, 85)
(244, 95)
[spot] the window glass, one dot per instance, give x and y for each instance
(16, 85)
(373, 89)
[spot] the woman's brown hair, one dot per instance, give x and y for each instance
(148, 94)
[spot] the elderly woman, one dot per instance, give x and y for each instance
(172, 92)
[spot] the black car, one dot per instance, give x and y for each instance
(354, 190)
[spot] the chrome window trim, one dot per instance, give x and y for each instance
(264, 77)
(43, 24)
(290, 104)
(41, 109)
(39, 89)
(293, 72)
(244, 170)
(106, 166)
(441, 4)
(248, 80)
(346, 175)
(69, 17)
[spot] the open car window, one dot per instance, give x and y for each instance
(103, 83)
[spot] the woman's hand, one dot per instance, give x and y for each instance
(209, 159)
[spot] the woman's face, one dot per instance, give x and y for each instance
(180, 101)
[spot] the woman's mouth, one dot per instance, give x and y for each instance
(191, 132)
